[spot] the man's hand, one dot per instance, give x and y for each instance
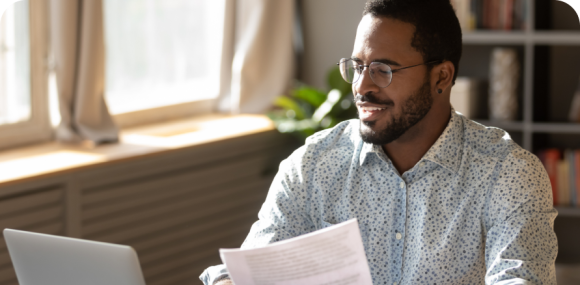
(225, 282)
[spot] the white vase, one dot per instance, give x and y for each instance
(503, 84)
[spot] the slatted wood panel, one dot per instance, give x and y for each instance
(271, 144)
(177, 221)
(38, 211)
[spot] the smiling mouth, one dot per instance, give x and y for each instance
(371, 109)
(370, 113)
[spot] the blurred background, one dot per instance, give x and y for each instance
(160, 123)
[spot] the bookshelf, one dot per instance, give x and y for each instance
(549, 55)
(527, 41)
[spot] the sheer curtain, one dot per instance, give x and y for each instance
(79, 57)
(262, 65)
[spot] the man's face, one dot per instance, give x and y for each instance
(388, 113)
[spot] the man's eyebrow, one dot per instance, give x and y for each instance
(387, 61)
(382, 60)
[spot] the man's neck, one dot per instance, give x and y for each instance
(407, 150)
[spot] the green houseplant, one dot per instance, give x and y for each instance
(307, 110)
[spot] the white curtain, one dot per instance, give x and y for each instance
(262, 65)
(79, 56)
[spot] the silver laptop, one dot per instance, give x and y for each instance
(41, 259)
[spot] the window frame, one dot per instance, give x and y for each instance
(38, 127)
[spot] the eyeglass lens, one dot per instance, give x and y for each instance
(380, 73)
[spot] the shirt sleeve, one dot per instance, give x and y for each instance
(283, 214)
(521, 245)
(213, 274)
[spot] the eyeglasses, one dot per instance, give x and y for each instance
(381, 73)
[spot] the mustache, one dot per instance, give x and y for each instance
(371, 98)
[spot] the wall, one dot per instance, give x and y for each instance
(329, 28)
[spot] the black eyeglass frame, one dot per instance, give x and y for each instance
(362, 68)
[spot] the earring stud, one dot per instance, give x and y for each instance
(439, 91)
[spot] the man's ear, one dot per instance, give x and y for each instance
(442, 76)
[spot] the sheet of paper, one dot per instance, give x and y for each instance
(331, 256)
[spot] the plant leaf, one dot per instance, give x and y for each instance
(289, 104)
(311, 95)
(333, 98)
(335, 81)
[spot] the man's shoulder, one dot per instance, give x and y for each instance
(344, 133)
(495, 144)
(343, 136)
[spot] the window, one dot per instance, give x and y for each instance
(161, 53)
(15, 65)
(163, 61)
(23, 76)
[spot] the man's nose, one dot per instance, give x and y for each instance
(365, 83)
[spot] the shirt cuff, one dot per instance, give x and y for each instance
(213, 274)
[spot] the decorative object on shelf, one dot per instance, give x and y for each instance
(308, 110)
(503, 84)
(468, 97)
(574, 115)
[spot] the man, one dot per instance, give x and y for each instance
(440, 199)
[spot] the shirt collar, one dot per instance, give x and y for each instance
(366, 149)
(447, 151)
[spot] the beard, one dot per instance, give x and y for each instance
(413, 110)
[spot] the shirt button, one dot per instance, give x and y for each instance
(395, 283)
(422, 164)
(402, 185)
(399, 235)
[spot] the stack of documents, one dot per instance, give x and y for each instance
(331, 256)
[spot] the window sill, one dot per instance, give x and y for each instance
(44, 160)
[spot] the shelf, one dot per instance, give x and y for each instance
(556, 38)
(515, 126)
(519, 37)
(495, 37)
(570, 128)
(568, 211)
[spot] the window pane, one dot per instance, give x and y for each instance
(15, 64)
(161, 52)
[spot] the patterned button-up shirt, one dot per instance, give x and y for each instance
(476, 209)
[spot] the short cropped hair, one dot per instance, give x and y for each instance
(437, 30)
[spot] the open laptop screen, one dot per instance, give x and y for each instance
(41, 259)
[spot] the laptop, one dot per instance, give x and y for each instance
(41, 259)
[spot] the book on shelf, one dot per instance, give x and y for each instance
(563, 169)
(563, 182)
(574, 115)
(571, 176)
(577, 176)
(491, 14)
(550, 158)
